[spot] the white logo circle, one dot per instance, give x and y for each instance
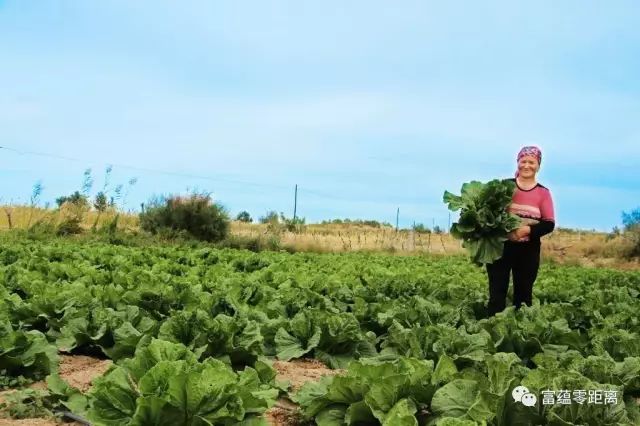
(529, 399)
(518, 392)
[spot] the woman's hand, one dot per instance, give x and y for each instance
(519, 233)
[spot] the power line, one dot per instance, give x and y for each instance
(183, 175)
(147, 170)
(177, 174)
(324, 194)
(304, 190)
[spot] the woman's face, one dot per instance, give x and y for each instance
(528, 166)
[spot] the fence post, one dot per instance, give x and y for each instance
(8, 213)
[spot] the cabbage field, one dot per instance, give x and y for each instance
(193, 332)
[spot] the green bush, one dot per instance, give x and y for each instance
(421, 229)
(43, 227)
(244, 216)
(372, 223)
(255, 244)
(296, 224)
(347, 221)
(76, 198)
(69, 226)
(195, 215)
(631, 222)
(270, 218)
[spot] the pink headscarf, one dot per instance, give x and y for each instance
(532, 151)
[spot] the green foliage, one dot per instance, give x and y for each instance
(372, 392)
(73, 210)
(111, 232)
(165, 384)
(631, 222)
(36, 192)
(31, 403)
(70, 226)
(336, 339)
(115, 333)
(87, 183)
(252, 243)
(420, 228)
(410, 333)
(296, 224)
(362, 222)
(42, 228)
(100, 203)
(27, 404)
(76, 198)
(34, 200)
(244, 216)
(271, 217)
(195, 215)
(484, 221)
(25, 354)
(278, 223)
(631, 219)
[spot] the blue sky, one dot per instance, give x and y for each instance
(368, 106)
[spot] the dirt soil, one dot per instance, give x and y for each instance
(297, 373)
(78, 371)
(28, 422)
(300, 371)
(284, 413)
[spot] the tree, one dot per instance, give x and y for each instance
(244, 216)
(421, 229)
(100, 203)
(631, 222)
(74, 208)
(76, 198)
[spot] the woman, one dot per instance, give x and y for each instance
(532, 202)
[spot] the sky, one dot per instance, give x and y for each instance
(368, 106)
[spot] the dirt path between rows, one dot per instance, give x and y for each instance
(79, 371)
(31, 422)
(297, 373)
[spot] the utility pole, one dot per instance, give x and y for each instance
(397, 218)
(295, 203)
(449, 226)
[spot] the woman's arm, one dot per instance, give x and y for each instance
(542, 228)
(547, 224)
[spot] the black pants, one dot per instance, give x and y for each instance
(523, 258)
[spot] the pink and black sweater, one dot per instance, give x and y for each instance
(536, 204)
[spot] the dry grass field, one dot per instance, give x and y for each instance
(24, 217)
(584, 248)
